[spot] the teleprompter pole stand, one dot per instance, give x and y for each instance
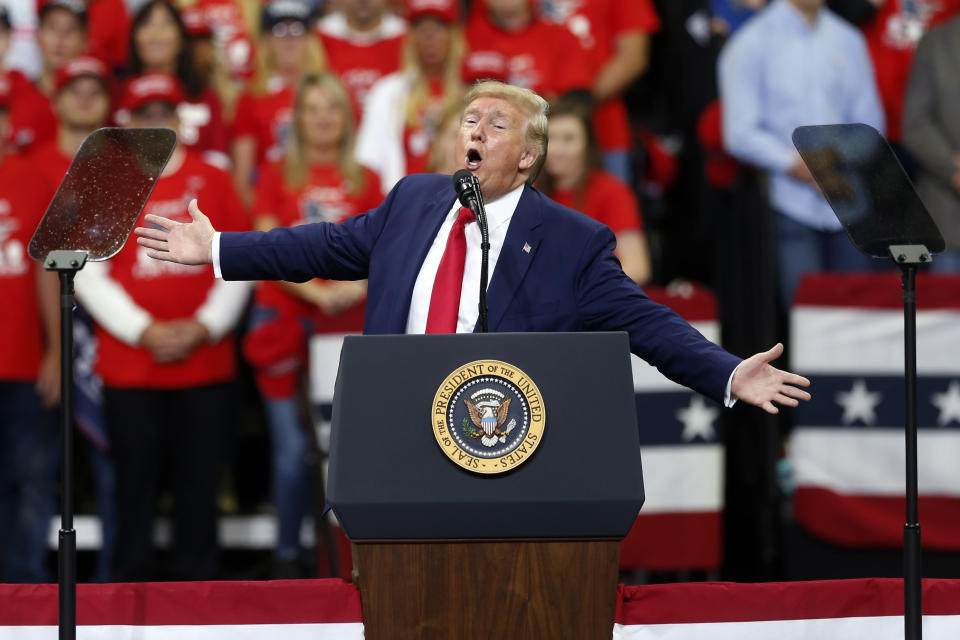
(66, 264)
(907, 258)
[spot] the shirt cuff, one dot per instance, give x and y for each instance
(728, 398)
(215, 256)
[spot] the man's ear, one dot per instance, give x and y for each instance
(527, 160)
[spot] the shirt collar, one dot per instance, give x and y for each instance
(789, 16)
(501, 210)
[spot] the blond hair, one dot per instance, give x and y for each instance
(419, 94)
(532, 106)
(316, 62)
(296, 170)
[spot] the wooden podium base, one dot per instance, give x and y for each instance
(472, 590)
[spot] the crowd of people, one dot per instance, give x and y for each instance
(296, 111)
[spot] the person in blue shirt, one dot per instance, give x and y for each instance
(796, 63)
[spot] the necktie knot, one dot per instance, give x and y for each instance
(466, 217)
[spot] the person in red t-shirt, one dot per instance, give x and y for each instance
(61, 36)
(507, 41)
(318, 181)
(573, 178)
(81, 101)
(159, 43)
(29, 375)
(167, 361)
(616, 37)
(363, 42)
(22, 96)
(402, 110)
(209, 60)
(287, 53)
(232, 33)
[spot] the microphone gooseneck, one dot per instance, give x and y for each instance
(467, 188)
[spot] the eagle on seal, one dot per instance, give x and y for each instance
(490, 422)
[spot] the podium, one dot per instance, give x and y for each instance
(463, 529)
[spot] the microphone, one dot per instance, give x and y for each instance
(467, 188)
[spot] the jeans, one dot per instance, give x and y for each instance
(290, 473)
(28, 458)
(802, 249)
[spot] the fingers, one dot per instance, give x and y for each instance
(786, 400)
(770, 408)
(793, 392)
(150, 232)
(160, 255)
(194, 210)
(775, 352)
(159, 245)
(165, 223)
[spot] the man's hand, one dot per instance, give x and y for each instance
(758, 383)
(799, 171)
(186, 243)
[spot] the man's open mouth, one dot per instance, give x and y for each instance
(473, 159)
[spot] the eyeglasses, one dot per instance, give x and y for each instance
(289, 29)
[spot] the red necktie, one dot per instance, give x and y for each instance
(445, 299)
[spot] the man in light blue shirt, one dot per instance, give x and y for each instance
(796, 63)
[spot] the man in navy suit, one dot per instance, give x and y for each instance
(553, 269)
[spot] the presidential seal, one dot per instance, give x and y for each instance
(488, 416)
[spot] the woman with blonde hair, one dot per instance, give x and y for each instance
(402, 111)
(288, 51)
(317, 181)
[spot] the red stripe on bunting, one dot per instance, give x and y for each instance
(730, 602)
(673, 542)
(876, 290)
(187, 603)
(875, 521)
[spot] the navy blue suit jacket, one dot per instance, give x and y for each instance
(568, 280)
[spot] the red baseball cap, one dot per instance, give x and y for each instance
(150, 87)
(196, 21)
(76, 7)
(84, 66)
(443, 10)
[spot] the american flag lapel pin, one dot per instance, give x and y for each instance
(526, 247)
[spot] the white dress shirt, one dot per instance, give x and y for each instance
(499, 213)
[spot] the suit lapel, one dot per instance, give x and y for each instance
(519, 247)
(421, 240)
